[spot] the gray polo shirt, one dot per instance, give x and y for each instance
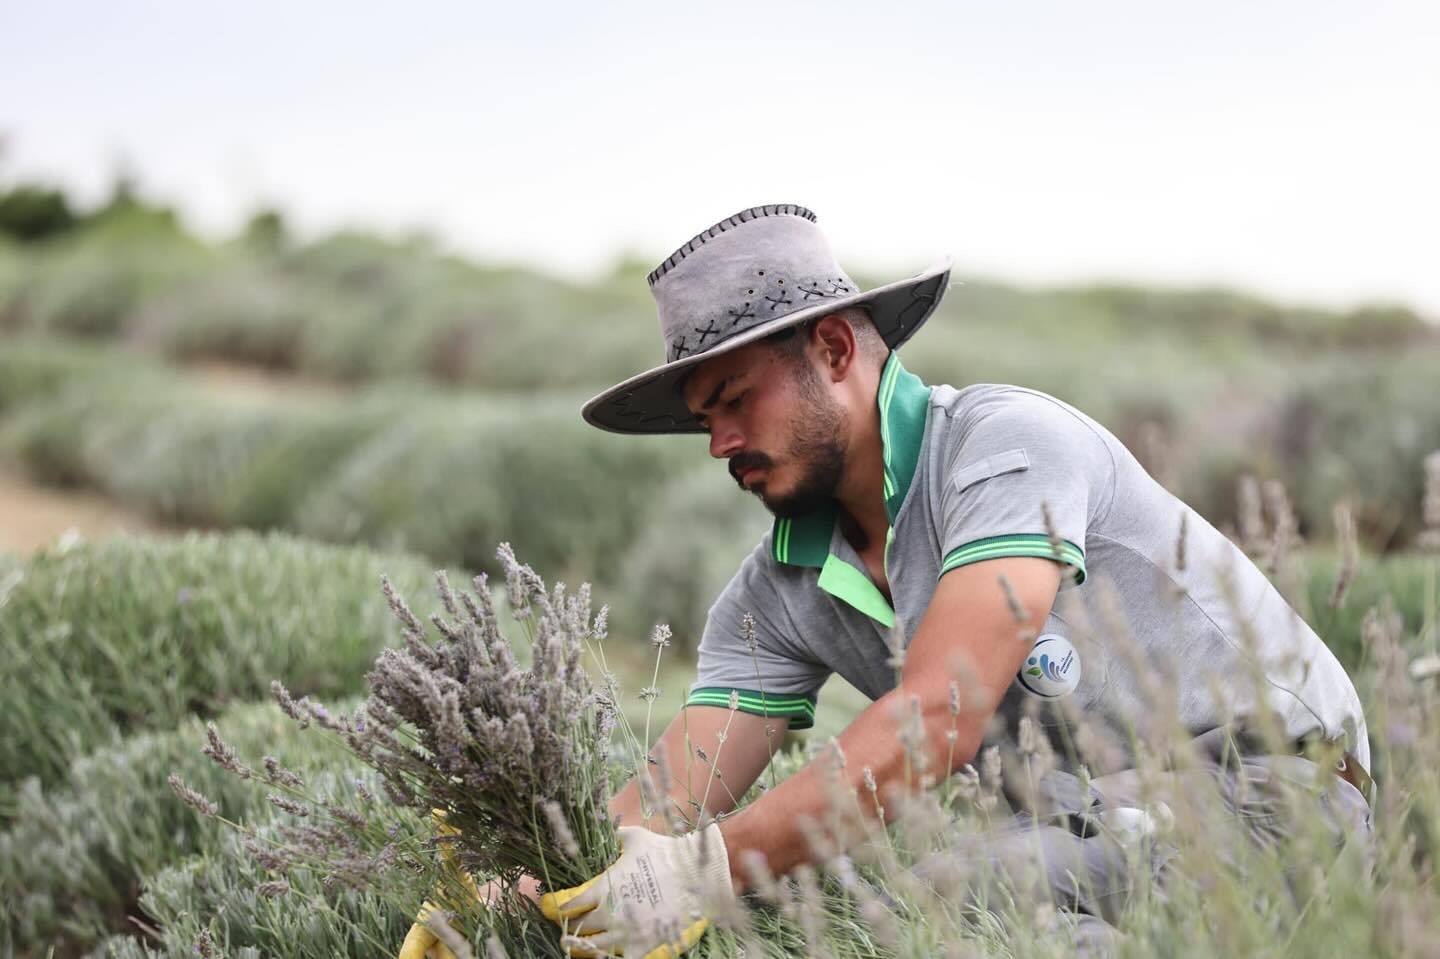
(994, 471)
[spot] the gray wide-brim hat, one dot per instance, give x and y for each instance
(748, 276)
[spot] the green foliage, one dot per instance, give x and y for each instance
(32, 370)
(131, 634)
(1296, 894)
(1233, 381)
(242, 311)
(72, 857)
(91, 281)
(78, 851)
(1220, 313)
(30, 212)
(186, 455)
(684, 573)
(451, 480)
(1361, 435)
(1407, 581)
(131, 638)
(218, 893)
(382, 469)
(354, 305)
(266, 229)
(221, 892)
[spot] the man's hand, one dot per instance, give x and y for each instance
(654, 900)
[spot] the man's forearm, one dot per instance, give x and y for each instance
(659, 815)
(772, 826)
(706, 756)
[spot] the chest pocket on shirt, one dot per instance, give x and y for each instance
(1011, 461)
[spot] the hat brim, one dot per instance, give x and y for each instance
(650, 402)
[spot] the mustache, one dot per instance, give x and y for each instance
(741, 462)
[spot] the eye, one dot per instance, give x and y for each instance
(734, 403)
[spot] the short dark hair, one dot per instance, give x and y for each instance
(867, 338)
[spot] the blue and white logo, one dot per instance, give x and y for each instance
(1052, 669)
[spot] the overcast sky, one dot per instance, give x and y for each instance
(1287, 147)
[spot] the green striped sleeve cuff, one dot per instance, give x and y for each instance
(998, 547)
(800, 709)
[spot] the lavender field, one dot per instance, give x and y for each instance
(252, 433)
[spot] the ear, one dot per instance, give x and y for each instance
(833, 337)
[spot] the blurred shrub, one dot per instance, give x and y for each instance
(35, 369)
(1223, 314)
(85, 294)
(1410, 580)
(1361, 434)
(181, 452)
(91, 282)
(266, 229)
(31, 212)
(700, 528)
(448, 477)
(14, 269)
(243, 311)
(70, 433)
(72, 857)
(452, 480)
(134, 634)
(357, 306)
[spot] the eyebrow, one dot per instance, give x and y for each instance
(715, 393)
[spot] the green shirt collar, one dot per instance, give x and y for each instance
(903, 402)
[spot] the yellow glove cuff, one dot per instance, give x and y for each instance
(552, 904)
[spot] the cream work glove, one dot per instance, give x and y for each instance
(653, 902)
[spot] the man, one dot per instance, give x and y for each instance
(927, 541)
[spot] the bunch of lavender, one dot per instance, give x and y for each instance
(514, 756)
(508, 745)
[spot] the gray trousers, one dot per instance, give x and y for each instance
(1084, 852)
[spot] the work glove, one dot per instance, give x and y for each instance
(420, 942)
(651, 902)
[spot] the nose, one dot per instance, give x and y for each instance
(725, 438)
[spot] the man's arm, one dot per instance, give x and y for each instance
(701, 768)
(969, 634)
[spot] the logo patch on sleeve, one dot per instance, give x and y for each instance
(1052, 669)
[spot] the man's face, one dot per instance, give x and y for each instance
(769, 414)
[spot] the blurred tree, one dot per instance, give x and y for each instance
(267, 230)
(1383, 324)
(31, 212)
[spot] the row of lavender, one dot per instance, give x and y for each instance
(317, 841)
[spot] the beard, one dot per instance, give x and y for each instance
(816, 446)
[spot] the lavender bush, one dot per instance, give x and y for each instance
(102, 640)
(74, 854)
(513, 746)
(509, 747)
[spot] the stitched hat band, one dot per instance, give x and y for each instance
(746, 277)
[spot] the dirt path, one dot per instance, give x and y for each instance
(33, 516)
